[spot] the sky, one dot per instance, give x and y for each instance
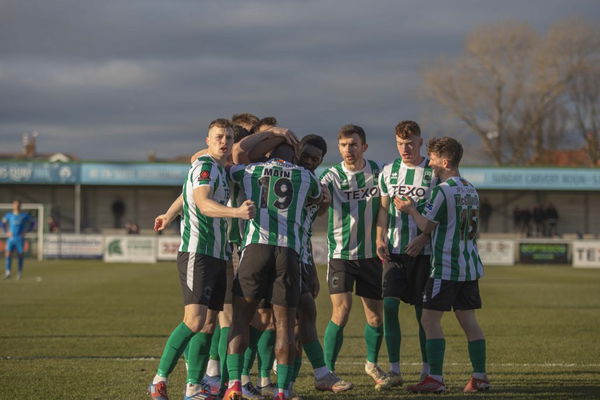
(115, 79)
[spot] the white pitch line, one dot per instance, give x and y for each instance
(412, 364)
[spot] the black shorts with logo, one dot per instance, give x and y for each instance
(269, 272)
(308, 278)
(203, 279)
(341, 275)
(442, 295)
(404, 277)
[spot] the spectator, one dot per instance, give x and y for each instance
(132, 228)
(485, 212)
(552, 220)
(526, 222)
(517, 219)
(539, 218)
(53, 226)
(118, 211)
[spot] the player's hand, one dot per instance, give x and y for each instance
(382, 251)
(415, 246)
(403, 204)
(290, 137)
(9, 234)
(247, 210)
(161, 222)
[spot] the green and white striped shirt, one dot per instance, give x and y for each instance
(454, 205)
(236, 225)
(280, 191)
(308, 217)
(199, 233)
(398, 179)
(353, 210)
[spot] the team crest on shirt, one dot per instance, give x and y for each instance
(427, 175)
(204, 175)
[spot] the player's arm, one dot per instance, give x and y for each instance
(198, 154)
(254, 147)
(162, 221)
(407, 205)
(213, 209)
(381, 229)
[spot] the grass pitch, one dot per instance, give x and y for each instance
(89, 330)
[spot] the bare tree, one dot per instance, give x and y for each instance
(509, 88)
(573, 50)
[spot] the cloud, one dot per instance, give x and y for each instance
(112, 79)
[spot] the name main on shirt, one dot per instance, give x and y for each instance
(277, 173)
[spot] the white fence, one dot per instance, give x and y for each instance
(149, 249)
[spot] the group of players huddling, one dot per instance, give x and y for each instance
(405, 231)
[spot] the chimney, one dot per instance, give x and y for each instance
(29, 144)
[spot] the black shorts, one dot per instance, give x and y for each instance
(269, 272)
(203, 279)
(232, 265)
(308, 278)
(367, 273)
(442, 295)
(404, 277)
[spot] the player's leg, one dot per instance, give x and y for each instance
(10, 247)
(393, 285)
(225, 318)
(250, 284)
(417, 279)
(265, 347)
(468, 300)
(197, 354)
(369, 286)
(285, 298)
(20, 257)
(190, 266)
(438, 298)
(307, 330)
(340, 281)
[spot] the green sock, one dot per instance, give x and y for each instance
(175, 346)
(422, 337)
(332, 343)
(314, 352)
(250, 353)
(199, 347)
(435, 355)
(266, 352)
(234, 363)
(391, 328)
(296, 369)
(214, 344)
(284, 375)
(477, 355)
(223, 340)
(373, 337)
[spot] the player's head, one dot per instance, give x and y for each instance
(16, 205)
(284, 151)
(409, 141)
(219, 138)
(352, 143)
(265, 124)
(245, 120)
(312, 149)
(239, 133)
(444, 153)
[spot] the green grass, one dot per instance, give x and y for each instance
(89, 330)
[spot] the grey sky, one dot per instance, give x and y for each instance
(113, 79)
